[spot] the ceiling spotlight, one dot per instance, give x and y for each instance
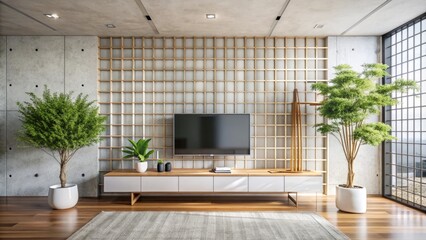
(210, 16)
(110, 25)
(51, 15)
(319, 26)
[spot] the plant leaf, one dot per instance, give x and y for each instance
(149, 153)
(59, 122)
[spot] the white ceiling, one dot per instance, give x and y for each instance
(187, 17)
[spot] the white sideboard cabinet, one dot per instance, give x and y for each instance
(193, 181)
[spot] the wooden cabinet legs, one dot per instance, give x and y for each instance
(293, 199)
(134, 198)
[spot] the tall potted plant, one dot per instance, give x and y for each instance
(349, 99)
(139, 150)
(60, 126)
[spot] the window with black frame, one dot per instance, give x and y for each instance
(404, 176)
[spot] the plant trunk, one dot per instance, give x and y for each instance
(351, 174)
(63, 173)
(350, 147)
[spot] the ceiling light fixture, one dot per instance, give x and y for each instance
(278, 18)
(210, 16)
(110, 25)
(51, 15)
(319, 26)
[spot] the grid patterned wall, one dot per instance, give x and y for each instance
(405, 158)
(143, 81)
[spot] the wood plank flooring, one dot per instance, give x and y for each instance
(31, 217)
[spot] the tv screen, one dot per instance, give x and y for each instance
(212, 134)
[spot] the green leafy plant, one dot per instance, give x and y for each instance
(138, 149)
(349, 99)
(160, 161)
(57, 123)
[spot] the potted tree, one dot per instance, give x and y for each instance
(349, 99)
(60, 126)
(139, 150)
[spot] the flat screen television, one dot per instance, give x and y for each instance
(211, 134)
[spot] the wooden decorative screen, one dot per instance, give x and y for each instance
(143, 81)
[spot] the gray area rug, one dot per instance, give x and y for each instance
(208, 225)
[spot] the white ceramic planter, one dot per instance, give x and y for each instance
(353, 200)
(63, 198)
(141, 166)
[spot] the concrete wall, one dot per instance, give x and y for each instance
(354, 51)
(26, 65)
(2, 116)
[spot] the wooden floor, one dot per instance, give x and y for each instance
(31, 217)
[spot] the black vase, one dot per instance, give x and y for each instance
(160, 167)
(168, 167)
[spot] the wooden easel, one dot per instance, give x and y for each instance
(296, 133)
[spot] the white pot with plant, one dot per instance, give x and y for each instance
(349, 99)
(60, 126)
(139, 150)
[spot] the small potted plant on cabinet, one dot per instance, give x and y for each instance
(60, 126)
(349, 99)
(139, 150)
(160, 165)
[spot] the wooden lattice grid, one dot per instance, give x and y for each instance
(143, 81)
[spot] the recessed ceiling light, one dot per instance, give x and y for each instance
(319, 26)
(210, 16)
(110, 25)
(51, 15)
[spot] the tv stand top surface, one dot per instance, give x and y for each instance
(208, 172)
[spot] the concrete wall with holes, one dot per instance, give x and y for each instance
(26, 65)
(354, 51)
